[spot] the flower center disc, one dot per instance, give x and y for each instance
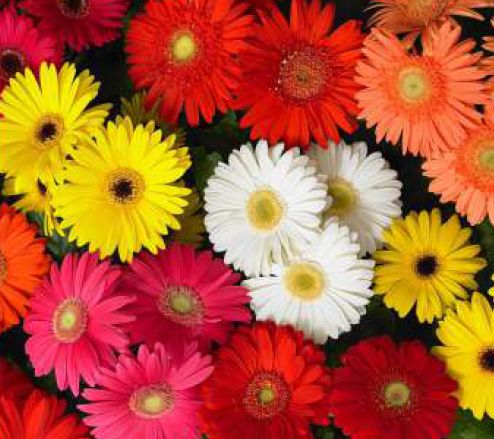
(182, 305)
(305, 280)
(11, 62)
(426, 266)
(183, 47)
(74, 8)
(264, 210)
(124, 187)
(152, 402)
(486, 360)
(70, 320)
(3, 267)
(303, 75)
(48, 131)
(266, 395)
(414, 85)
(344, 197)
(396, 394)
(486, 159)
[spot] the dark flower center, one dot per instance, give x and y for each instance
(124, 186)
(487, 360)
(123, 189)
(74, 8)
(48, 131)
(426, 265)
(11, 62)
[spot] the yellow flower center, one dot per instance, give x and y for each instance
(74, 8)
(184, 46)
(305, 280)
(426, 266)
(266, 395)
(11, 62)
(303, 75)
(486, 158)
(344, 197)
(48, 131)
(182, 305)
(152, 402)
(124, 186)
(396, 394)
(3, 267)
(70, 320)
(414, 85)
(264, 210)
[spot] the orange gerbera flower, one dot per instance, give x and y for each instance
(428, 100)
(41, 417)
(23, 263)
(415, 16)
(465, 175)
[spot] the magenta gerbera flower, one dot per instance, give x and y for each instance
(79, 23)
(152, 396)
(75, 321)
(182, 295)
(22, 45)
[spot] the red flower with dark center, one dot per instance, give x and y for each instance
(391, 391)
(186, 53)
(298, 79)
(79, 23)
(268, 380)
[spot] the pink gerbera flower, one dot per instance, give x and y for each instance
(79, 23)
(182, 295)
(22, 45)
(75, 321)
(152, 396)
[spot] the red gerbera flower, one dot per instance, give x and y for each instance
(186, 53)
(391, 391)
(298, 80)
(79, 23)
(22, 45)
(41, 417)
(268, 381)
(14, 384)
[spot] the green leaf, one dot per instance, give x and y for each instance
(204, 164)
(325, 433)
(467, 427)
(59, 246)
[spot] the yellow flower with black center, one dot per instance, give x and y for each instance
(120, 191)
(426, 263)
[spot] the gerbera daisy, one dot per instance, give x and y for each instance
(127, 175)
(40, 417)
(416, 16)
(263, 206)
(192, 228)
(183, 295)
(23, 264)
(154, 395)
(298, 78)
(465, 175)
(76, 321)
(322, 291)
(269, 381)
(36, 196)
(363, 192)
(43, 121)
(385, 390)
(428, 100)
(467, 338)
(22, 45)
(14, 384)
(426, 263)
(186, 53)
(79, 23)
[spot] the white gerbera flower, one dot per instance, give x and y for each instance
(364, 193)
(263, 207)
(322, 292)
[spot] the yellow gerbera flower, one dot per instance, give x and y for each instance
(192, 228)
(119, 192)
(43, 120)
(426, 263)
(36, 196)
(467, 335)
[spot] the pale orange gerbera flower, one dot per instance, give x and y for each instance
(465, 175)
(428, 100)
(415, 16)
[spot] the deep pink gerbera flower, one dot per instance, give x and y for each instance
(79, 23)
(152, 396)
(75, 321)
(22, 45)
(182, 295)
